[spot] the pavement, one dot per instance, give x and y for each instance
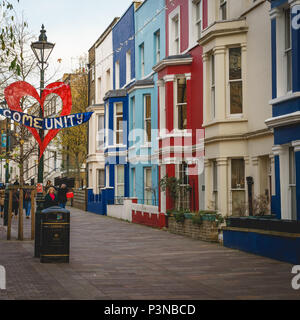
(116, 260)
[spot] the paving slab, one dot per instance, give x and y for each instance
(116, 260)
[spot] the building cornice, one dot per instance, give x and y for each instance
(287, 97)
(223, 28)
(285, 120)
(235, 137)
(179, 60)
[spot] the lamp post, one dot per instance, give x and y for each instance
(42, 50)
(6, 169)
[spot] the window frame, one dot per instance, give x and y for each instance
(99, 186)
(118, 131)
(288, 51)
(223, 4)
(174, 15)
(157, 44)
(230, 81)
(117, 184)
(117, 74)
(142, 59)
(147, 191)
(147, 139)
(128, 66)
(213, 86)
(176, 113)
(99, 147)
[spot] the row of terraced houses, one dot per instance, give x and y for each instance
(204, 91)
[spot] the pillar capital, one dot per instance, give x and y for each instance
(222, 161)
(296, 145)
(277, 150)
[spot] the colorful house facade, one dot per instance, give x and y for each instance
(180, 104)
(239, 166)
(117, 106)
(285, 120)
(143, 97)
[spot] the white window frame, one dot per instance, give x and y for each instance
(234, 115)
(128, 66)
(133, 171)
(107, 184)
(132, 99)
(115, 124)
(142, 59)
(99, 187)
(117, 74)
(292, 184)
(176, 104)
(108, 79)
(213, 86)
(157, 46)
(288, 52)
(175, 14)
(117, 184)
(147, 140)
(146, 186)
(106, 124)
(98, 145)
(99, 89)
(222, 4)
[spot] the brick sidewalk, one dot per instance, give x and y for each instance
(112, 259)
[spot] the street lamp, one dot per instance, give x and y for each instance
(42, 50)
(4, 103)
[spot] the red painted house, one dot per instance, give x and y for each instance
(180, 105)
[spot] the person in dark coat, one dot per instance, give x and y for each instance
(51, 198)
(15, 202)
(62, 195)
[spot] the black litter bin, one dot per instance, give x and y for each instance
(55, 235)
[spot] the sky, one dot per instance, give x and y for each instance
(73, 25)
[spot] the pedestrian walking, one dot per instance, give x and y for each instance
(62, 195)
(51, 198)
(15, 202)
(2, 198)
(27, 201)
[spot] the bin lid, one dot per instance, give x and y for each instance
(55, 209)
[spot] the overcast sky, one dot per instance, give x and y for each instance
(73, 25)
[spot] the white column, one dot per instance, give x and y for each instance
(222, 164)
(220, 82)
(206, 95)
(256, 178)
(283, 154)
(208, 183)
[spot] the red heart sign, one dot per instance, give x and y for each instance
(16, 91)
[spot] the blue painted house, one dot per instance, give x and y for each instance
(116, 106)
(285, 102)
(143, 99)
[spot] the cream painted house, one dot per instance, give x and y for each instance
(237, 91)
(102, 81)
